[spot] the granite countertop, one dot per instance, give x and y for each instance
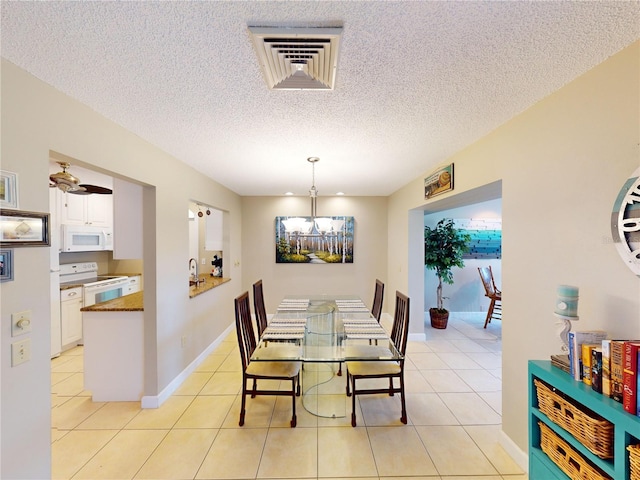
(128, 303)
(209, 283)
(134, 302)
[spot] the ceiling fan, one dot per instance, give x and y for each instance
(70, 184)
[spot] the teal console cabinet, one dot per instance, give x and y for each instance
(626, 426)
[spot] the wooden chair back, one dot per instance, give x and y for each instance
(259, 308)
(378, 297)
(400, 328)
(486, 275)
(244, 329)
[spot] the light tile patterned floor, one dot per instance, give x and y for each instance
(453, 403)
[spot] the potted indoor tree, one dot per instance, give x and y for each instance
(444, 246)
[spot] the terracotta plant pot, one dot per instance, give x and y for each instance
(439, 319)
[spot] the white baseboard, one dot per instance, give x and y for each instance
(154, 401)
(520, 457)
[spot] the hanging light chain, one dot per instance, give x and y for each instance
(313, 193)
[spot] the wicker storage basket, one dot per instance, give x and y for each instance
(590, 429)
(634, 462)
(566, 458)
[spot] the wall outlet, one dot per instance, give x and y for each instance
(204, 261)
(20, 323)
(183, 341)
(20, 352)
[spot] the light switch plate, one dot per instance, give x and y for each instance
(20, 352)
(20, 323)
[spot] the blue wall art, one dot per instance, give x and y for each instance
(486, 237)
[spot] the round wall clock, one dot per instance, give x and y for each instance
(625, 222)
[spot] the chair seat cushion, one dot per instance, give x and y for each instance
(373, 368)
(273, 369)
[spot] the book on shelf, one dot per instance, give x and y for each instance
(616, 366)
(630, 377)
(606, 367)
(586, 361)
(596, 369)
(638, 386)
(576, 338)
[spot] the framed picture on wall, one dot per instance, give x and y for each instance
(314, 240)
(23, 229)
(6, 265)
(439, 182)
(8, 189)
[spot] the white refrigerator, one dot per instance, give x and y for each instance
(54, 269)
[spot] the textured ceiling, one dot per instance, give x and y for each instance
(417, 81)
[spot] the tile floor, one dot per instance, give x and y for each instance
(453, 383)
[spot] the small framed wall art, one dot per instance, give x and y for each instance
(440, 181)
(6, 265)
(8, 189)
(23, 229)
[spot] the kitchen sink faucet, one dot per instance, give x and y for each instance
(195, 278)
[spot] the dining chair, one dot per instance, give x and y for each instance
(376, 309)
(263, 370)
(491, 291)
(357, 370)
(378, 297)
(258, 307)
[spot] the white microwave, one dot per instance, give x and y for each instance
(86, 238)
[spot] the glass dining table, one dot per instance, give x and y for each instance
(322, 332)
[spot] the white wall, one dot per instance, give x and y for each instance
(561, 164)
(37, 119)
(370, 249)
(467, 293)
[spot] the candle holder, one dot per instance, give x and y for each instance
(564, 325)
(566, 311)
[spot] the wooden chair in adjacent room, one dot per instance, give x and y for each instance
(493, 293)
(259, 308)
(357, 370)
(263, 370)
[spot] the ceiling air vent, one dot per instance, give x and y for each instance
(297, 58)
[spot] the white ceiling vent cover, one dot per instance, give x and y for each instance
(297, 58)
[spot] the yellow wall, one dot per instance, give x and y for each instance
(561, 164)
(37, 119)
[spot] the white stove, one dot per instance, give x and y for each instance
(96, 288)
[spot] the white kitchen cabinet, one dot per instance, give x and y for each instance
(214, 238)
(93, 209)
(71, 317)
(134, 285)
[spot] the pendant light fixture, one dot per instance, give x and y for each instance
(313, 192)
